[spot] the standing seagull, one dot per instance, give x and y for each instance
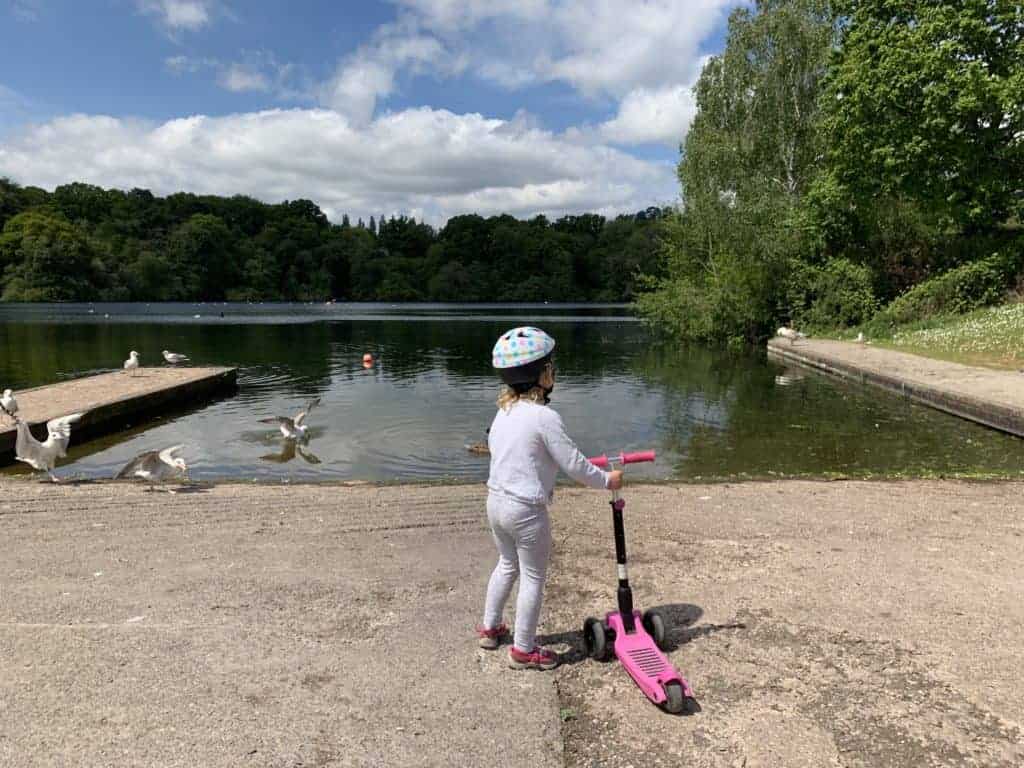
(43, 456)
(154, 466)
(789, 333)
(8, 403)
(174, 358)
(293, 429)
(132, 363)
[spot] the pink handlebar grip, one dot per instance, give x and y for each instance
(637, 457)
(623, 458)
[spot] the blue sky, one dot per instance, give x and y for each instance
(422, 107)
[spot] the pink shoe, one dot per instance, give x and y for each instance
(538, 658)
(491, 638)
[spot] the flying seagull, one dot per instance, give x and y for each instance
(8, 403)
(154, 466)
(174, 358)
(43, 456)
(293, 428)
(789, 333)
(132, 363)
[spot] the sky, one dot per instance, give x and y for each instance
(426, 108)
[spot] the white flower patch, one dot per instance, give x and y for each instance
(998, 330)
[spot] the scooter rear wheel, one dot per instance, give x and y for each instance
(595, 638)
(654, 623)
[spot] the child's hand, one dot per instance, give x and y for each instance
(615, 480)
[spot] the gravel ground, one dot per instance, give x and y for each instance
(820, 624)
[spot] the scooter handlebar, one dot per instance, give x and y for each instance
(623, 458)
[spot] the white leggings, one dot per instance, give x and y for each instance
(522, 534)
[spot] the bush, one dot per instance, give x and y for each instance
(835, 294)
(677, 308)
(966, 288)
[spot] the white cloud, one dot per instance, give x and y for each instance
(255, 71)
(238, 78)
(178, 15)
(26, 10)
(181, 64)
(599, 47)
(368, 74)
(426, 160)
(660, 115)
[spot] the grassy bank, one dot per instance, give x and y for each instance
(992, 337)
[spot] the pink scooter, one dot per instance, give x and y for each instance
(637, 640)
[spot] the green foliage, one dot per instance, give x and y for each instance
(46, 258)
(84, 242)
(924, 101)
(836, 293)
(965, 288)
(842, 154)
(748, 160)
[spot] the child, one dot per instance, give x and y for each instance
(528, 444)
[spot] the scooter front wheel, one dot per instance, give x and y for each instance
(675, 701)
(595, 638)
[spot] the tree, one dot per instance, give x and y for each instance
(749, 158)
(203, 249)
(925, 100)
(106, 245)
(151, 277)
(46, 258)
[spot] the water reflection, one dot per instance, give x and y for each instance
(430, 393)
(790, 376)
(289, 450)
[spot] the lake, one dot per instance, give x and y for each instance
(431, 392)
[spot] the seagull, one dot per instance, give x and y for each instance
(132, 363)
(293, 429)
(860, 338)
(154, 466)
(789, 333)
(174, 358)
(8, 403)
(43, 456)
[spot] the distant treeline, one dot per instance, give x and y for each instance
(81, 242)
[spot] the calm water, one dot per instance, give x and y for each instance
(432, 392)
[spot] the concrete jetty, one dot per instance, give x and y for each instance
(991, 397)
(112, 401)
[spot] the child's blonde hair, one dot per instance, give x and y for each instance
(510, 397)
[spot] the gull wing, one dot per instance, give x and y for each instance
(59, 432)
(301, 415)
(280, 420)
(146, 462)
(167, 454)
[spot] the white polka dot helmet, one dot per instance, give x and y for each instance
(520, 355)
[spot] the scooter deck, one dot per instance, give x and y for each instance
(646, 664)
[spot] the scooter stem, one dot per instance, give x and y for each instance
(625, 594)
(618, 504)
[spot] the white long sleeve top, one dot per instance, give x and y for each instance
(529, 444)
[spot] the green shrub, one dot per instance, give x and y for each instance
(968, 287)
(836, 294)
